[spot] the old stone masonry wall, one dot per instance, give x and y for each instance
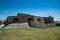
(28, 21)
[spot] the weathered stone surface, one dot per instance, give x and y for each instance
(18, 25)
(26, 20)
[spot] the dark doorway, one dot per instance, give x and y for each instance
(29, 21)
(15, 20)
(38, 20)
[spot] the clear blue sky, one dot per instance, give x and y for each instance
(34, 7)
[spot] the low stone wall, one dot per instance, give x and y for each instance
(37, 24)
(30, 24)
(18, 25)
(50, 24)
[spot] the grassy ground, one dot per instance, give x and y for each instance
(30, 34)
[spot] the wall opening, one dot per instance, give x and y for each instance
(38, 20)
(29, 21)
(15, 20)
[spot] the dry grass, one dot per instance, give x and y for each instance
(30, 34)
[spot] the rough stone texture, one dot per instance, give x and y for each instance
(28, 20)
(50, 24)
(48, 19)
(18, 25)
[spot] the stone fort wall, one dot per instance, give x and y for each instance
(26, 20)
